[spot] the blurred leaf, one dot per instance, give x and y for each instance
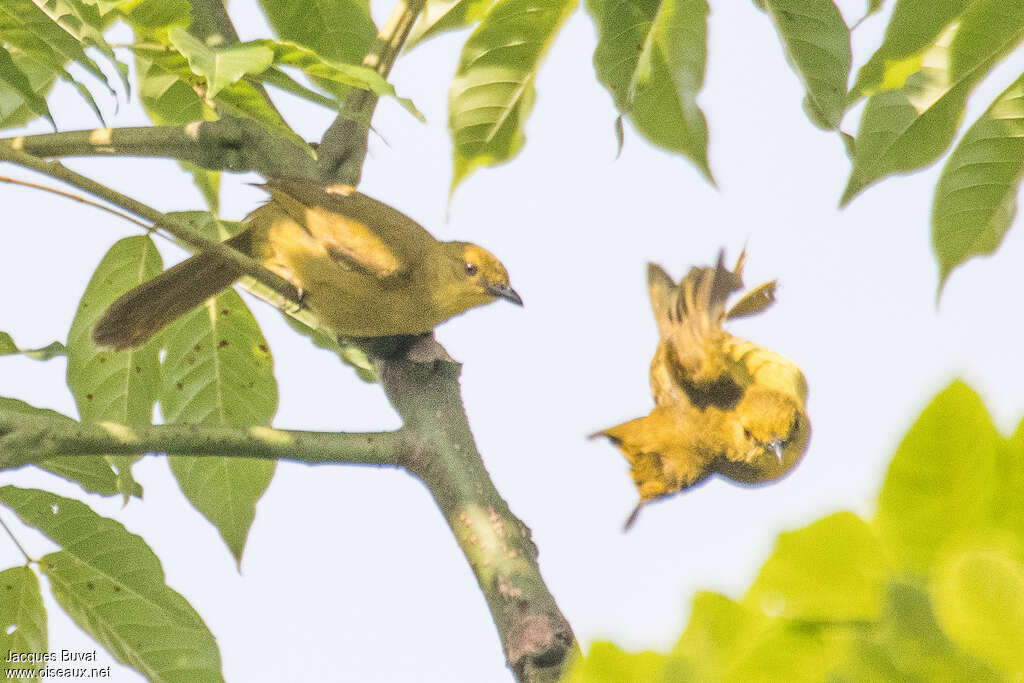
(17, 80)
(218, 370)
(356, 76)
(651, 57)
(832, 570)
(817, 44)
(111, 583)
(338, 30)
(905, 129)
(22, 619)
(94, 474)
(220, 66)
(942, 480)
(726, 642)
(441, 16)
(606, 663)
(907, 645)
(719, 630)
(119, 386)
(976, 196)
(52, 350)
(979, 601)
(493, 90)
(15, 111)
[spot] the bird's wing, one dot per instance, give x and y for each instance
(664, 451)
(753, 302)
(661, 287)
(359, 231)
(690, 357)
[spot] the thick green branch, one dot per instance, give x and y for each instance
(30, 438)
(230, 144)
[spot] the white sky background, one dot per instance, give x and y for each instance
(350, 573)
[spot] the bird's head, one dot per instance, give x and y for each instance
(473, 276)
(775, 432)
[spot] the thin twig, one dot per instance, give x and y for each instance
(77, 198)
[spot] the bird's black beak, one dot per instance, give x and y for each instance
(505, 292)
(776, 446)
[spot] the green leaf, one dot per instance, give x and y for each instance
(119, 386)
(111, 583)
(650, 56)
(81, 19)
(493, 90)
(908, 645)
(218, 370)
(244, 100)
(156, 15)
(14, 78)
(726, 642)
(220, 66)
(719, 631)
(22, 618)
(907, 128)
(976, 196)
(832, 570)
(979, 601)
(817, 44)
(350, 75)
(25, 26)
(338, 30)
(51, 350)
(279, 79)
(93, 474)
(942, 480)
(914, 27)
(606, 663)
(441, 16)
(15, 111)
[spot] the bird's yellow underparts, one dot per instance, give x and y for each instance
(722, 404)
(363, 267)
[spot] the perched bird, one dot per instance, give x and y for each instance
(722, 404)
(364, 268)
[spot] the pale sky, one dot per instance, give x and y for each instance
(350, 573)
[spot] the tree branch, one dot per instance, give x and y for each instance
(442, 453)
(176, 228)
(230, 144)
(423, 386)
(27, 438)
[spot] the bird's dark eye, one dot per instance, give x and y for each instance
(746, 433)
(470, 269)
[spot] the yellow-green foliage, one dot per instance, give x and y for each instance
(931, 589)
